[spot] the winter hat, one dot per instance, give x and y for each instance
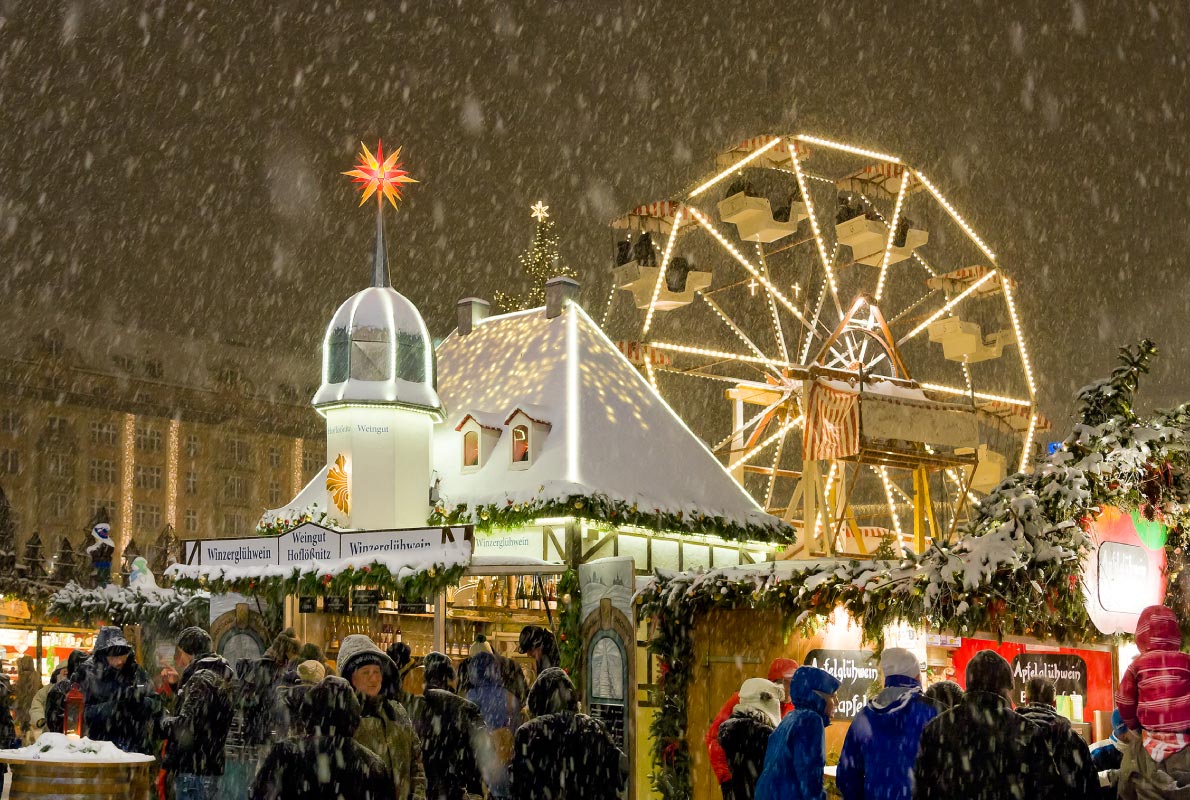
(284, 646)
(945, 694)
(311, 652)
(552, 693)
(439, 670)
(757, 694)
(900, 666)
(194, 641)
(311, 671)
(781, 668)
(74, 661)
(480, 645)
(356, 651)
(331, 709)
(987, 671)
(531, 636)
(1157, 629)
(110, 642)
(401, 655)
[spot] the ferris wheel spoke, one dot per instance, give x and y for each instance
(777, 330)
(722, 315)
(749, 423)
(950, 304)
(804, 188)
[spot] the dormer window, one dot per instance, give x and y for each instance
(520, 444)
(528, 429)
(480, 432)
(471, 449)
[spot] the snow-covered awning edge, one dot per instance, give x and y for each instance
(568, 499)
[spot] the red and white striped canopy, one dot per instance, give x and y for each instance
(959, 279)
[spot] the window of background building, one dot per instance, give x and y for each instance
(154, 368)
(236, 487)
(234, 525)
(191, 483)
(311, 461)
(123, 363)
(274, 457)
(190, 521)
(10, 462)
(104, 434)
(59, 465)
(59, 505)
(57, 427)
(148, 517)
(102, 470)
(274, 494)
(11, 423)
(148, 439)
(240, 452)
(100, 504)
(192, 445)
(148, 477)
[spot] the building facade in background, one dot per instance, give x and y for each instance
(159, 431)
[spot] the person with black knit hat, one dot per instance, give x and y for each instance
(454, 739)
(385, 727)
(981, 749)
(540, 644)
(327, 762)
(195, 737)
(562, 753)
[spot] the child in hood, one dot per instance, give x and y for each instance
(780, 672)
(1154, 693)
(744, 736)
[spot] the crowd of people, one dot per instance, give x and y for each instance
(293, 726)
(947, 743)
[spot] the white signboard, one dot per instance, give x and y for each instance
(310, 542)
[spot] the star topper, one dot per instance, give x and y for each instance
(379, 176)
(541, 211)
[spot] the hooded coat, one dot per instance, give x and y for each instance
(55, 698)
(778, 670)
(1154, 693)
(501, 713)
(796, 753)
(327, 763)
(197, 735)
(744, 737)
(877, 759)
(982, 750)
(1142, 778)
(385, 727)
(119, 705)
(1072, 757)
(562, 754)
(453, 735)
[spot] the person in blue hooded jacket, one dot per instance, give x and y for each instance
(796, 753)
(881, 746)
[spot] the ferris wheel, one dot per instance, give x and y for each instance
(837, 333)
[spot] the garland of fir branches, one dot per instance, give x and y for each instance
(1016, 570)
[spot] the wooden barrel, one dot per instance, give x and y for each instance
(79, 781)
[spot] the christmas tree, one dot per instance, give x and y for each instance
(8, 535)
(65, 564)
(539, 263)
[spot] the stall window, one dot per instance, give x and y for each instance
(471, 449)
(520, 444)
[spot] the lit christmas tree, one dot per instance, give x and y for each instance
(539, 263)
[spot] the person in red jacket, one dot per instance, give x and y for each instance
(1154, 693)
(780, 671)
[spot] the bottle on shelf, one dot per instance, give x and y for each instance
(481, 593)
(551, 597)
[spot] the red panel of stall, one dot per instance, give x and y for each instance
(1074, 672)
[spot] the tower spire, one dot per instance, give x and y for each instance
(380, 254)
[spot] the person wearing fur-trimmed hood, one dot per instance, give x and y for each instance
(385, 727)
(744, 736)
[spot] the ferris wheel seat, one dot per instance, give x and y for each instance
(867, 237)
(964, 341)
(990, 468)
(754, 218)
(641, 281)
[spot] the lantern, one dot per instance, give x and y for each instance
(72, 722)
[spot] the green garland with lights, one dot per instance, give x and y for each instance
(1016, 571)
(166, 610)
(570, 624)
(601, 508)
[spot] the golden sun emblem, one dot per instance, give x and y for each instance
(338, 483)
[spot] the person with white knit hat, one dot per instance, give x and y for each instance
(877, 759)
(744, 736)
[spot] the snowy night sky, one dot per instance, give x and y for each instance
(177, 164)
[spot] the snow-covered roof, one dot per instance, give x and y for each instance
(377, 349)
(611, 435)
